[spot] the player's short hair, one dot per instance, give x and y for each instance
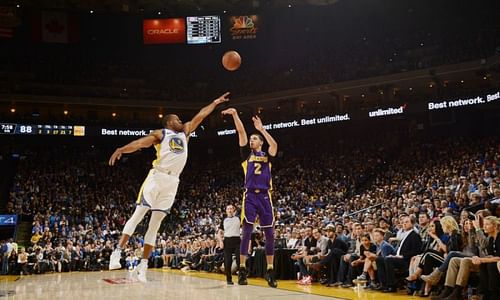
(167, 118)
(261, 138)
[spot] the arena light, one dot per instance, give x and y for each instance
(13, 110)
(65, 112)
(160, 116)
(113, 114)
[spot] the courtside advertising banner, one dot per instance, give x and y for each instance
(164, 31)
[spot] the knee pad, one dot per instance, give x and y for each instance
(135, 219)
(154, 225)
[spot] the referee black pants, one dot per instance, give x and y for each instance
(231, 246)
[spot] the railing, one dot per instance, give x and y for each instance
(362, 210)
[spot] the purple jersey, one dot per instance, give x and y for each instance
(257, 169)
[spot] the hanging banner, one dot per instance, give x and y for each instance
(8, 21)
(164, 31)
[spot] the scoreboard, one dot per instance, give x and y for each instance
(203, 30)
(37, 129)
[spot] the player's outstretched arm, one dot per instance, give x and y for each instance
(144, 142)
(203, 113)
(273, 145)
(242, 134)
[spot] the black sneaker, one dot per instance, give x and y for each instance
(230, 283)
(242, 276)
(271, 278)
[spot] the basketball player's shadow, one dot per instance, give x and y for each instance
(212, 287)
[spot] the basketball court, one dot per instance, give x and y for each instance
(166, 284)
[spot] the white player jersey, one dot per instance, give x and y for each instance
(171, 152)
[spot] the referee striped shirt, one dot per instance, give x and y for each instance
(232, 227)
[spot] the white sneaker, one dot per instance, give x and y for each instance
(141, 270)
(114, 260)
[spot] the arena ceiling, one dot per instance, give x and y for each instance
(152, 6)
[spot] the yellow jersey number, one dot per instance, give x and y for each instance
(257, 169)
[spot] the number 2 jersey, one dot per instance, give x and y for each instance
(257, 169)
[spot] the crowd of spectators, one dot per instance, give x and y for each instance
(346, 211)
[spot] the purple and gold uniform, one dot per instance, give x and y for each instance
(258, 185)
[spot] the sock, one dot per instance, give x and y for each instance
(243, 266)
(269, 267)
(144, 260)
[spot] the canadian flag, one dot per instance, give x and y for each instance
(55, 27)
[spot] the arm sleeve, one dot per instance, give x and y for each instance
(362, 252)
(454, 243)
(388, 249)
(324, 248)
(344, 247)
(244, 153)
(416, 245)
(329, 248)
(482, 239)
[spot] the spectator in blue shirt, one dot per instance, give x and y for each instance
(383, 249)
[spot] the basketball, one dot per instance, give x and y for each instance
(231, 60)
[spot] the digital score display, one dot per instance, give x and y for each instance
(8, 220)
(203, 30)
(30, 129)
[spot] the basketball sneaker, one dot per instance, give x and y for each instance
(362, 277)
(307, 280)
(114, 260)
(242, 276)
(141, 270)
(271, 278)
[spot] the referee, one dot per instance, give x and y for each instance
(231, 241)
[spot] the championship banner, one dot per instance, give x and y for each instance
(244, 27)
(164, 31)
(8, 21)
